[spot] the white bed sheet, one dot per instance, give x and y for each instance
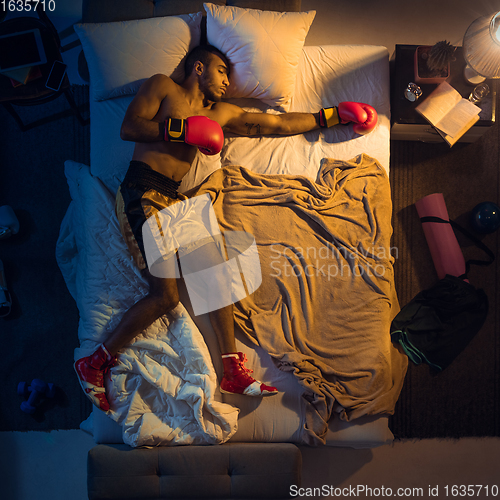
(327, 75)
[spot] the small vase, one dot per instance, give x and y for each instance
(422, 73)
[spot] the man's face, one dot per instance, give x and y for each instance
(214, 79)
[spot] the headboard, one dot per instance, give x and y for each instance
(104, 11)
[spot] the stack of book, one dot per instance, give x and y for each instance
(22, 76)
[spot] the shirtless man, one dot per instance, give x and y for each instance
(165, 122)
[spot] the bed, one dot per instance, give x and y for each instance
(318, 206)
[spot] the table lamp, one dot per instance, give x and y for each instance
(481, 47)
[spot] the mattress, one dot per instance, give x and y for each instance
(327, 75)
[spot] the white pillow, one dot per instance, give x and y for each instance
(121, 55)
(263, 48)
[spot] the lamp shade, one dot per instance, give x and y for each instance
(481, 46)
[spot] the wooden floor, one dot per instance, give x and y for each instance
(463, 400)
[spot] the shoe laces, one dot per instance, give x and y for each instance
(244, 359)
(107, 367)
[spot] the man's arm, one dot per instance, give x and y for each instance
(240, 122)
(139, 124)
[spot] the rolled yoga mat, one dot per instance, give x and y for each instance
(443, 245)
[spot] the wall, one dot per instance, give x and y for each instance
(387, 22)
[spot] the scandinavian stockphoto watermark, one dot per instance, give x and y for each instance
(330, 261)
(218, 269)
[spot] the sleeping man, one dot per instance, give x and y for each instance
(168, 123)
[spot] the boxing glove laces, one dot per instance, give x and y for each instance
(198, 131)
(362, 115)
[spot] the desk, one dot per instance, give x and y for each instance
(407, 124)
(35, 92)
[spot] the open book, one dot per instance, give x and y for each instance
(449, 112)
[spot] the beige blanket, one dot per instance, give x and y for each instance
(327, 296)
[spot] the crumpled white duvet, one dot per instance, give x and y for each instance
(162, 389)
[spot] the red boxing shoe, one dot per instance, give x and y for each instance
(91, 371)
(236, 379)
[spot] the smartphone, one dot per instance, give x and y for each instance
(56, 75)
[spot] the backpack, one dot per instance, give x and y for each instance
(440, 322)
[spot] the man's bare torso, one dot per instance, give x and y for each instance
(172, 159)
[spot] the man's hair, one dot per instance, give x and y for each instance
(203, 54)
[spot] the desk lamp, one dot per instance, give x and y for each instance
(481, 47)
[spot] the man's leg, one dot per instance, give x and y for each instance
(163, 296)
(236, 378)
(222, 321)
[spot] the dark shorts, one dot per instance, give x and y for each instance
(174, 224)
(142, 194)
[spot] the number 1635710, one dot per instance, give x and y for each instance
(476, 490)
(27, 5)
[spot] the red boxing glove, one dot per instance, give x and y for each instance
(364, 116)
(198, 131)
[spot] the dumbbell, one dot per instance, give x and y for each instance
(35, 393)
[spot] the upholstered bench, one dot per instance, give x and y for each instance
(232, 470)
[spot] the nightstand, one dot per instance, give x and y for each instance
(35, 92)
(407, 124)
